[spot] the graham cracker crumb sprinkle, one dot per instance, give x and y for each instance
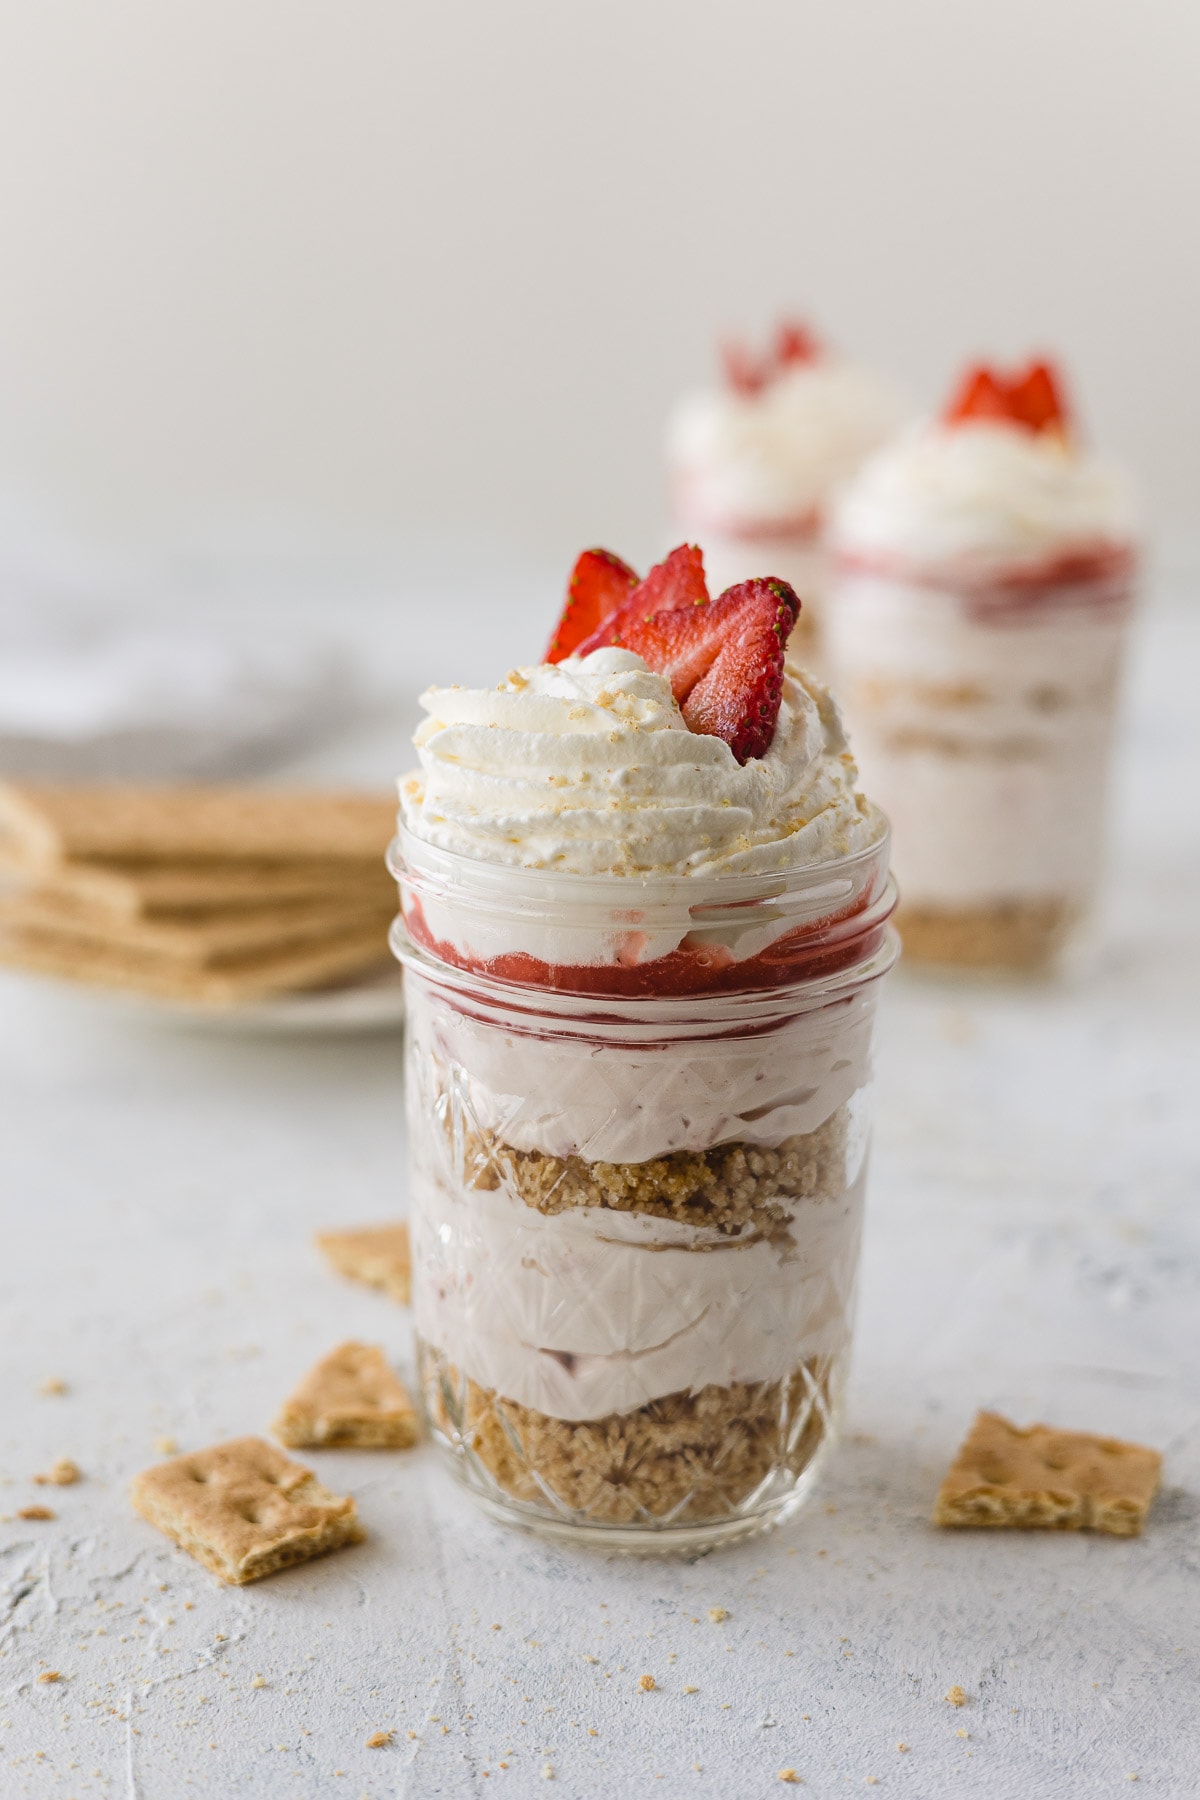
(957, 1696)
(36, 1512)
(50, 1675)
(379, 1740)
(166, 1446)
(258, 1681)
(691, 1690)
(61, 1473)
(902, 1747)
(788, 1775)
(53, 1384)
(647, 1683)
(717, 1614)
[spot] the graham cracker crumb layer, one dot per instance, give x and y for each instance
(685, 1459)
(725, 1188)
(1011, 934)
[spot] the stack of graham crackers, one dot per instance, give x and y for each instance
(215, 896)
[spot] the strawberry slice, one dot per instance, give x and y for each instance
(744, 375)
(795, 343)
(980, 395)
(1036, 398)
(724, 661)
(600, 584)
(1033, 399)
(676, 582)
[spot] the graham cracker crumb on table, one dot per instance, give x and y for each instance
(957, 1696)
(36, 1512)
(717, 1614)
(50, 1675)
(788, 1775)
(62, 1473)
(1040, 1478)
(378, 1740)
(53, 1384)
(647, 1683)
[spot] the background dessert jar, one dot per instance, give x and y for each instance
(986, 566)
(641, 981)
(753, 462)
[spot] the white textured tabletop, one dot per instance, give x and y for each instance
(1033, 1245)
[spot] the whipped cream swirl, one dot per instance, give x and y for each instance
(983, 491)
(753, 462)
(587, 767)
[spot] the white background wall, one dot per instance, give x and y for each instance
(389, 265)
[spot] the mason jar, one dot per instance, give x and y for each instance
(982, 705)
(639, 1118)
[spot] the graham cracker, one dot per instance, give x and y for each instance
(236, 983)
(378, 1255)
(171, 890)
(244, 1509)
(50, 823)
(1044, 1479)
(351, 1397)
(196, 943)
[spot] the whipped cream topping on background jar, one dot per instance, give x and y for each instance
(985, 574)
(641, 984)
(752, 468)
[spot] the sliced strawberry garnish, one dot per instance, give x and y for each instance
(795, 343)
(724, 661)
(1032, 399)
(980, 395)
(742, 372)
(676, 582)
(1037, 398)
(600, 584)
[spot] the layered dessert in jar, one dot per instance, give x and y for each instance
(986, 565)
(644, 915)
(753, 462)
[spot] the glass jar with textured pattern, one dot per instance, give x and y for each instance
(638, 1116)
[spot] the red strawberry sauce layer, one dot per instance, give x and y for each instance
(1096, 576)
(811, 952)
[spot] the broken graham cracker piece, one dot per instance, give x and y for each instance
(351, 1397)
(49, 823)
(378, 1255)
(244, 1509)
(203, 943)
(62, 1473)
(186, 890)
(264, 975)
(1043, 1479)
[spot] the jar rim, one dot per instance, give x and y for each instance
(524, 891)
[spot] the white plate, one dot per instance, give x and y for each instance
(373, 1004)
(376, 1003)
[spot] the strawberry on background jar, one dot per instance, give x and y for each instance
(985, 571)
(754, 461)
(644, 916)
